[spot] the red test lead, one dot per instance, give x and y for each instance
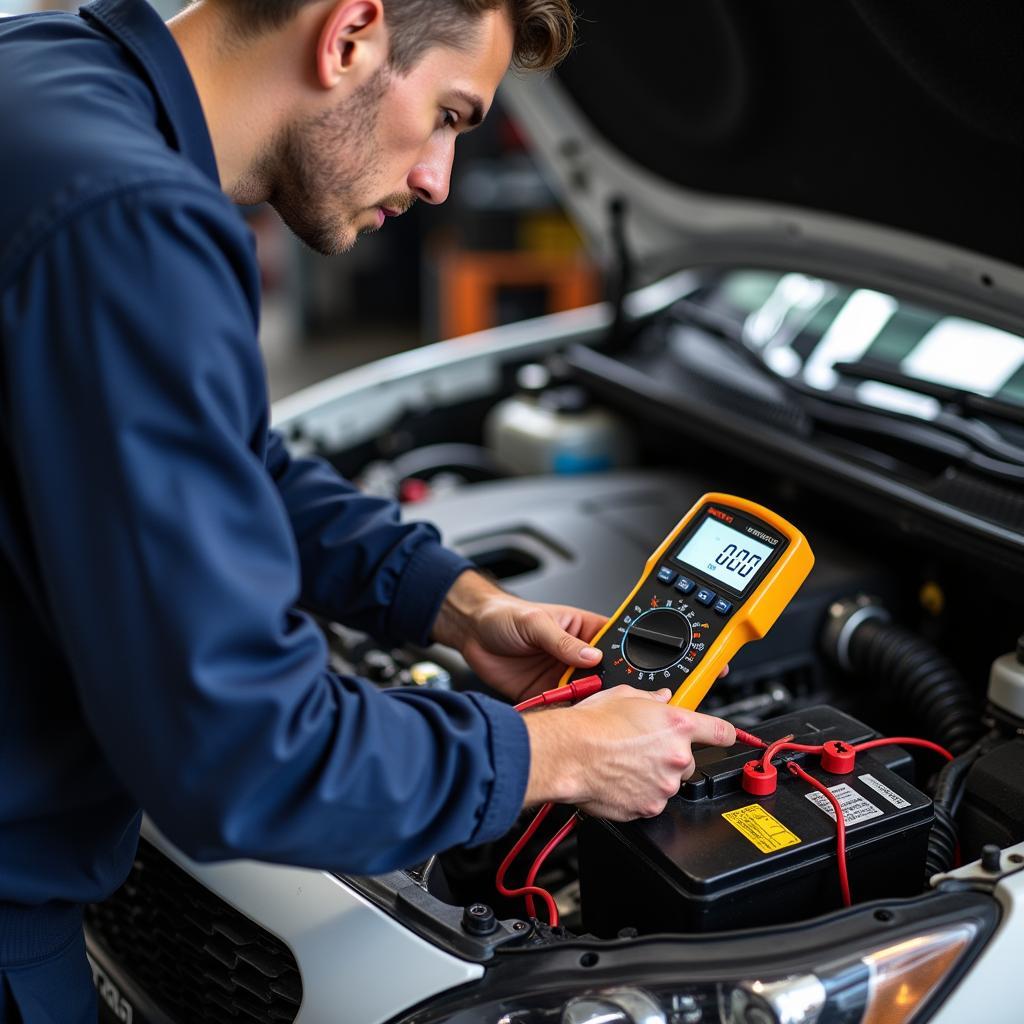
(530, 890)
(784, 744)
(904, 741)
(531, 876)
(576, 690)
(844, 881)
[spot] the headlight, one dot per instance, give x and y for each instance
(871, 967)
(886, 986)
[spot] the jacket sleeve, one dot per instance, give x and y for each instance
(135, 403)
(360, 564)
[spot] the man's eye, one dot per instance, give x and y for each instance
(449, 118)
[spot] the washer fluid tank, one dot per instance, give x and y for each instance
(555, 430)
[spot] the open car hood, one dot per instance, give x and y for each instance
(855, 139)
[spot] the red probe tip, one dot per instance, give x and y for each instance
(585, 687)
(749, 738)
(576, 690)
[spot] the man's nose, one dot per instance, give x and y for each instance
(431, 177)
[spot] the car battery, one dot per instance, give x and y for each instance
(719, 858)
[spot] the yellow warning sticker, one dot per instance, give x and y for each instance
(768, 834)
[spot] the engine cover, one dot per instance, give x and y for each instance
(719, 858)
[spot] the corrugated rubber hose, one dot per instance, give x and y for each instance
(906, 667)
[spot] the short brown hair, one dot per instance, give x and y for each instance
(543, 28)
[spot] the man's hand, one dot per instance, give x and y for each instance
(517, 647)
(620, 754)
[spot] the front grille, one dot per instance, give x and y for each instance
(195, 957)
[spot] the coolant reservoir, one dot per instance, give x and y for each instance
(555, 430)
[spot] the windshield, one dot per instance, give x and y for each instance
(827, 335)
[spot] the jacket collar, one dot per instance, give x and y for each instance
(138, 27)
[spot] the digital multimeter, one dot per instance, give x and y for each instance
(719, 580)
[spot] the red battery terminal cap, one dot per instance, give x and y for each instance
(838, 757)
(759, 779)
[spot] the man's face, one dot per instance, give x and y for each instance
(342, 172)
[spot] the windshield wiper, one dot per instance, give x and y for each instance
(963, 402)
(959, 410)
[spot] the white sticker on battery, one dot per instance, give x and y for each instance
(884, 791)
(855, 807)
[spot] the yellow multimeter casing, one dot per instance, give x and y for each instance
(719, 580)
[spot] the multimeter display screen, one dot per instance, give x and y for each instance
(724, 553)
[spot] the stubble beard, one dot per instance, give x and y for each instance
(322, 168)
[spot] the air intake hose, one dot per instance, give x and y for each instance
(860, 639)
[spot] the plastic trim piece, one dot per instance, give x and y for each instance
(991, 990)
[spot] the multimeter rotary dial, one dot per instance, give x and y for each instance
(657, 639)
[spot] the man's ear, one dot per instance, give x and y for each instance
(352, 44)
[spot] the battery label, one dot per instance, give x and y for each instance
(855, 807)
(884, 791)
(768, 834)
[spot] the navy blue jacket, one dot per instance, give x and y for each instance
(159, 548)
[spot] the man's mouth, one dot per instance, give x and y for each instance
(383, 212)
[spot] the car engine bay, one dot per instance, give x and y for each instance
(905, 628)
(894, 634)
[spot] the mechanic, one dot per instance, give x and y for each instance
(161, 552)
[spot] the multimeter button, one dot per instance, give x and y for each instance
(723, 607)
(705, 596)
(684, 586)
(666, 575)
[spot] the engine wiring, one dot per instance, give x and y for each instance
(837, 756)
